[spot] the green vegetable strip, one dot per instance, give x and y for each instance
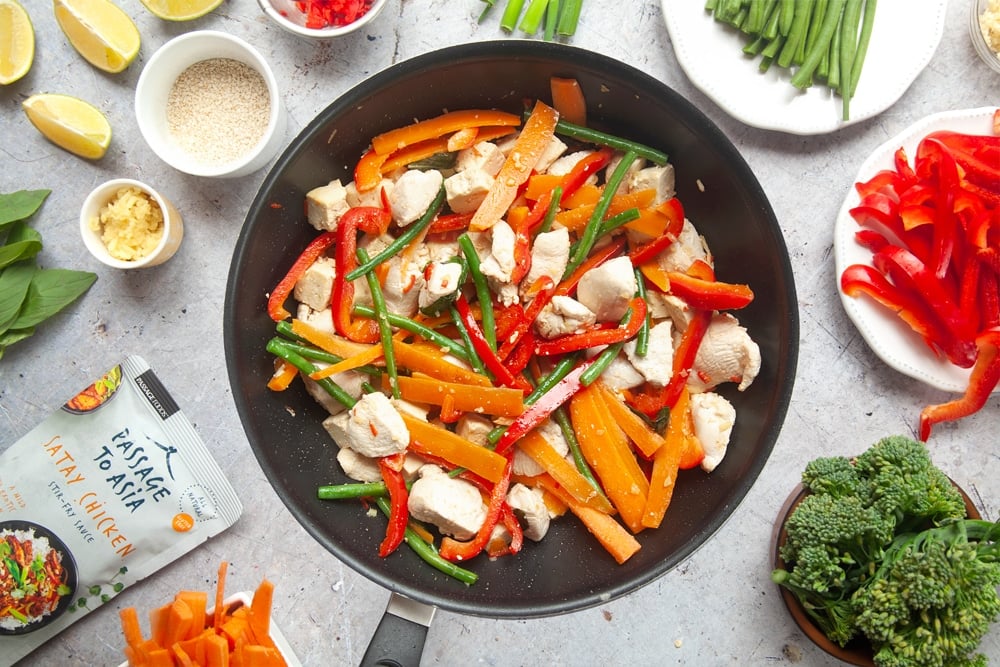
(474, 360)
(511, 13)
(848, 50)
(551, 20)
(642, 338)
(821, 45)
(483, 293)
(833, 76)
(419, 329)
(558, 372)
(550, 213)
(316, 354)
(566, 426)
(606, 356)
(428, 553)
(532, 18)
(486, 10)
(403, 239)
(609, 225)
(350, 491)
(591, 231)
(867, 24)
(384, 328)
(592, 136)
(569, 17)
(786, 17)
(279, 348)
(800, 26)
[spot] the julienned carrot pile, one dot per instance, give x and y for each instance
(509, 318)
(191, 631)
(933, 227)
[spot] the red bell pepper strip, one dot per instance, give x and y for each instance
(453, 550)
(685, 354)
(513, 527)
(870, 239)
(588, 339)
(451, 222)
(342, 299)
(391, 468)
(544, 288)
(982, 381)
(540, 410)
(597, 257)
(709, 294)
(582, 170)
(276, 302)
(674, 212)
(482, 348)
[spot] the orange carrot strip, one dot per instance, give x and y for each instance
(368, 171)
(462, 139)
(535, 136)
(158, 624)
(429, 147)
(220, 594)
(576, 218)
(326, 341)
(197, 602)
(180, 656)
(130, 626)
(540, 184)
(260, 613)
(639, 432)
(585, 195)
(417, 358)
(568, 99)
(656, 275)
(350, 363)
(612, 536)
(283, 376)
(216, 651)
(426, 438)
(159, 658)
(446, 123)
(178, 622)
(562, 472)
(497, 401)
(666, 462)
(600, 448)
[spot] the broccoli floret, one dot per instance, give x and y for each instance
(933, 596)
(835, 476)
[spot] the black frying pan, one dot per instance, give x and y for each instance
(568, 570)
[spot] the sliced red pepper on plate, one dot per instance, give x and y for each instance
(391, 468)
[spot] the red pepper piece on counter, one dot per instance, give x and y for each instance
(453, 550)
(276, 302)
(587, 339)
(391, 468)
(982, 381)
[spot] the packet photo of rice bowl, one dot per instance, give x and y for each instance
(105, 491)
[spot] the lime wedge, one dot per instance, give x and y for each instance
(70, 123)
(100, 31)
(180, 10)
(17, 41)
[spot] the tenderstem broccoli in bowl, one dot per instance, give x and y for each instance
(880, 548)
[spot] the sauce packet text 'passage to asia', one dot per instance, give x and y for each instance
(104, 492)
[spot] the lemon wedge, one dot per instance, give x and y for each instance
(17, 41)
(100, 31)
(180, 10)
(70, 123)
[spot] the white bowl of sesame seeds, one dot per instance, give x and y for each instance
(208, 104)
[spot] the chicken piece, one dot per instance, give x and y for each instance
(357, 467)
(452, 504)
(726, 354)
(633, 169)
(325, 205)
(319, 319)
(563, 315)
(349, 381)
(656, 178)
(529, 507)
(316, 284)
(713, 418)
(565, 164)
(403, 282)
(376, 428)
(467, 189)
(372, 197)
(527, 466)
(474, 428)
(607, 289)
(485, 156)
(413, 194)
(681, 254)
(500, 262)
(657, 365)
(442, 284)
(553, 151)
(667, 306)
(549, 257)
(621, 374)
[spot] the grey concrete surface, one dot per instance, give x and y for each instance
(718, 607)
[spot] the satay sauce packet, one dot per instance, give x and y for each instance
(101, 494)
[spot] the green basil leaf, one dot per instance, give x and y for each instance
(12, 336)
(50, 291)
(23, 242)
(14, 282)
(20, 205)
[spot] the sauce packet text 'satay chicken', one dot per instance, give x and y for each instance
(104, 492)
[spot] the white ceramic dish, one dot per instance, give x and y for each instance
(157, 79)
(246, 597)
(891, 339)
(286, 15)
(905, 37)
(173, 225)
(989, 56)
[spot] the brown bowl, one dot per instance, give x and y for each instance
(857, 651)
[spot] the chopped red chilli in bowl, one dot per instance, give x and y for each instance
(333, 13)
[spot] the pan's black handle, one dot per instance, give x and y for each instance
(399, 637)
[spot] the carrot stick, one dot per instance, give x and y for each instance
(497, 401)
(429, 147)
(416, 358)
(216, 651)
(645, 438)
(446, 123)
(612, 536)
(666, 462)
(426, 438)
(576, 218)
(260, 613)
(328, 342)
(220, 595)
(197, 602)
(283, 376)
(158, 624)
(568, 99)
(563, 472)
(130, 627)
(179, 621)
(350, 363)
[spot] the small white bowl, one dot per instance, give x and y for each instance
(989, 56)
(173, 225)
(157, 79)
(289, 17)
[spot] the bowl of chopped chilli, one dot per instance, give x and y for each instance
(321, 19)
(451, 305)
(37, 577)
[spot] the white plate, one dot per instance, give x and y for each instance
(246, 597)
(905, 35)
(891, 339)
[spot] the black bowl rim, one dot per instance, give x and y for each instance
(517, 49)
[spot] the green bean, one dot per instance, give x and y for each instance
(569, 17)
(607, 355)
(482, 286)
(474, 360)
(511, 13)
(551, 20)
(550, 212)
(403, 239)
(642, 338)
(786, 16)
(800, 26)
(419, 329)
(610, 225)
(579, 460)
(428, 553)
(821, 45)
(350, 491)
(848, 51)
(384, 328)
(486, 10)
(867, 25)
(279, 348)
(316, 354)
(533, 16)
(592, 136)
